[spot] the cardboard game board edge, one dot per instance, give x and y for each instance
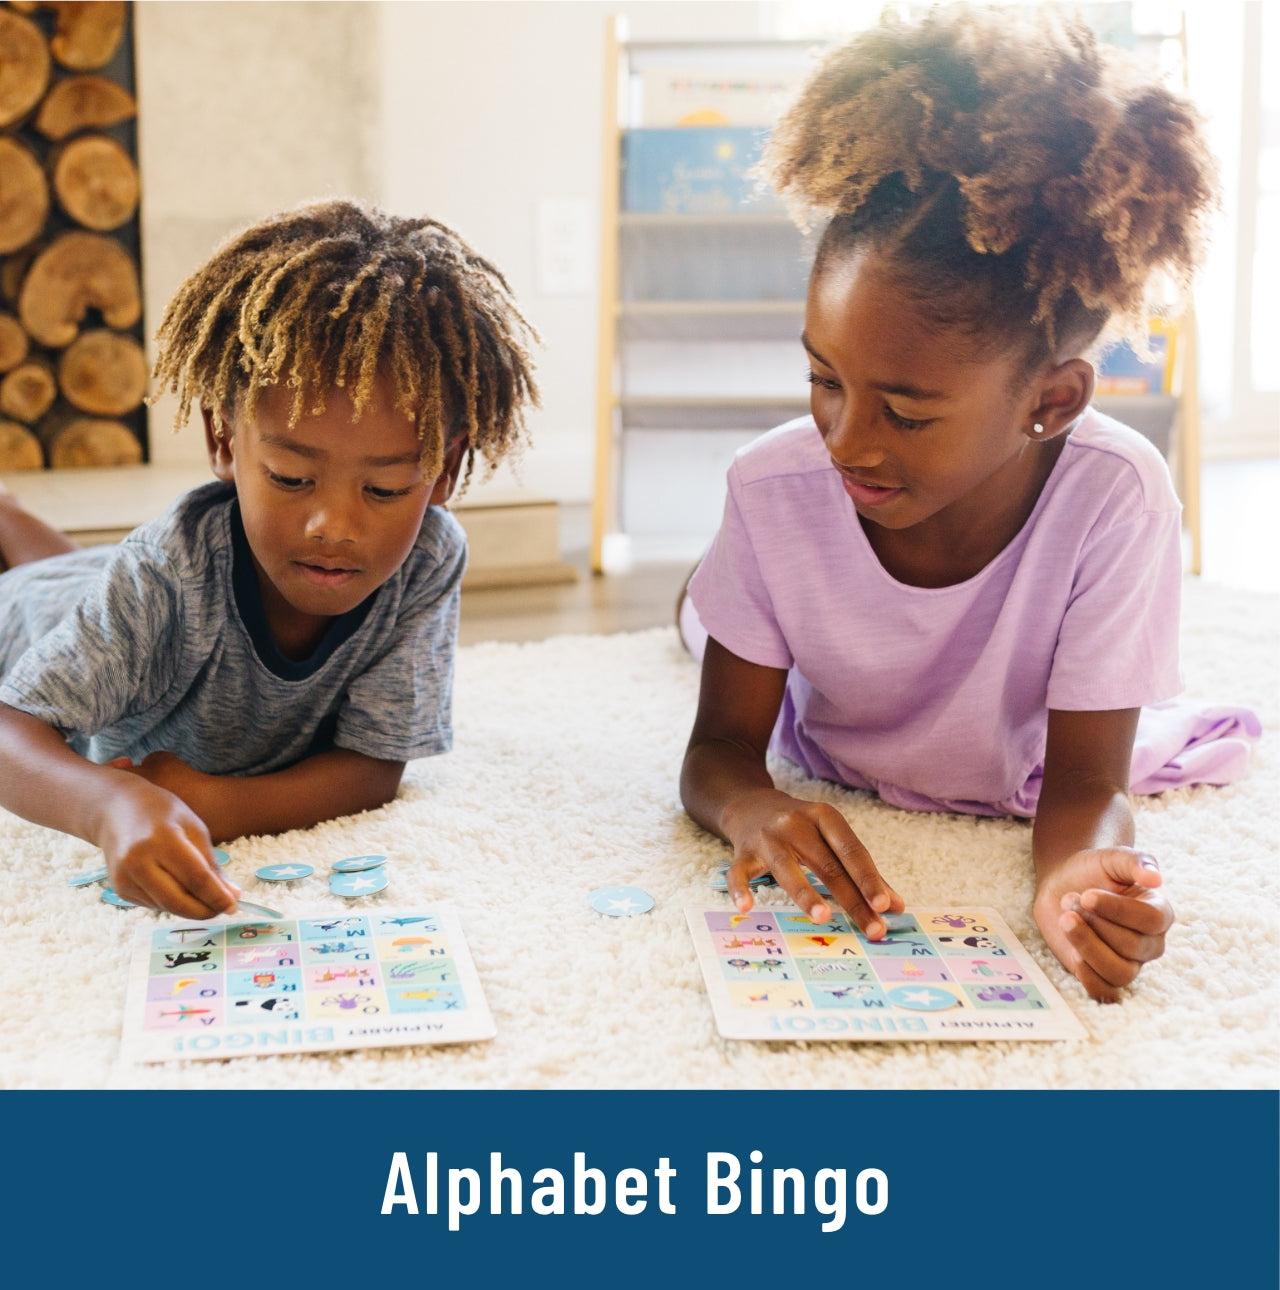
(1066, 1026)
(135, 1048)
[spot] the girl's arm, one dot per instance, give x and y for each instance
(1097, 899)
(322, 787)
(157, 849)
(726, 787)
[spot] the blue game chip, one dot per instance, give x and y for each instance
(221, 858)
(358, 883)
(720, 883)
(252, 907)
(111, 897)
(922, 998)
(89, 876)
(284, 872)
(358, 864)
(621, 902)
(816, 883)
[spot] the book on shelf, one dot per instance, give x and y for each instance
(695, 170)
(1122, 370)
(710, 96)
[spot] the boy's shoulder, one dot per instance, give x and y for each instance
(187, 516)
(1105, 447)
(435, 565)
(441, 536)
(439, 548)
(791, 449)
(194, 530)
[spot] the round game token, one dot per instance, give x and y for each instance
(283, 872)
(110, 897)
(252, 907)
(922, 998)
(358, 883)
(88, 877)
(221, 857)
(358, 864)
(621, 902)
(721, 883)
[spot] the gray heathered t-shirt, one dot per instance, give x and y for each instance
(161, 643)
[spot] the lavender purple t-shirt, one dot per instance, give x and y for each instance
(937, 698)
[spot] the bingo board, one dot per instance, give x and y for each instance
(229, 988)
(937, 974)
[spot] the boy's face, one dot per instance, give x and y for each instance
(331, 508)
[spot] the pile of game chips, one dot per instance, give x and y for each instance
(353, 877)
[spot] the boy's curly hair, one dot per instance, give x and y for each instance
(337, 294)
(978, 148)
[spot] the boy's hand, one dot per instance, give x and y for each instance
(1102, 913)
(159, 854)
(773, 832)
(204, 794)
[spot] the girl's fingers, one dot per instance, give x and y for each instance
(738, 877)
(1124, 866)
(736, 880)
(1095, 986)
(818, 840)
(1141, 917)
(1102, 971)
(791, 878)
(854, 879)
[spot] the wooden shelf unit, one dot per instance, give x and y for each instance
(675, 277)
(683, 313)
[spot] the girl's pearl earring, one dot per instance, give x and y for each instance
(1037, 429)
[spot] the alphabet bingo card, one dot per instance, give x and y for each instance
(936, 974)
(233, 988)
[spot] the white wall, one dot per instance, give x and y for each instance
(472, 110)
(243, 110)
(489, 108)
(469, 110)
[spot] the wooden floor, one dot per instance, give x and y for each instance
(627, 602)
(1241, 530)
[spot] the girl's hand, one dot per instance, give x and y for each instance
(1103, 915)
(159, 854)
(773, 832)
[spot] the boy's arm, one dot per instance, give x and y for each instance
(157, 851)
(726, 787)
(321, 787)
(1097, 899)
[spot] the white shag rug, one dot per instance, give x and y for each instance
(563, 779)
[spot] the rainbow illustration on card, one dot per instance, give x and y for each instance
(936, 974)
(331, 981)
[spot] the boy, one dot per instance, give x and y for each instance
(271, 651)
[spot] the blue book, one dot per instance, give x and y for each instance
(695, 170)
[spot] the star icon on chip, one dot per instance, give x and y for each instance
(621, 902)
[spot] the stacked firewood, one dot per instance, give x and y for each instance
(72, 370)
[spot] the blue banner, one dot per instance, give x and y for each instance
(623, 1189)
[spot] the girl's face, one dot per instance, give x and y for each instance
(930, 432)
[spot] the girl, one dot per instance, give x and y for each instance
(955, 584)
(271, 651)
